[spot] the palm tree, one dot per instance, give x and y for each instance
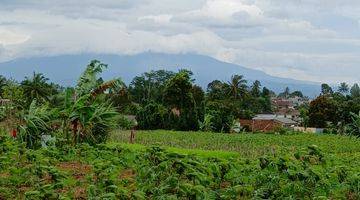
(237, 86)
(344, 88)
(36, 87)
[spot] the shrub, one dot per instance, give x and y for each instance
(125, 123)
(34, 123)
(152, 116)
(223, 116)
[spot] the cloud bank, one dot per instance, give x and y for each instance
(305, 39)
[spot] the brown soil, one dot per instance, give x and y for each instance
(78, 170)
(127, 174)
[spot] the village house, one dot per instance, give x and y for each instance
(288, 108)
(267, 123)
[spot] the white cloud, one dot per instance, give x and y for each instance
(8, 37)
(310, 40)
(162, 19)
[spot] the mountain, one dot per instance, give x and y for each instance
(66, 69)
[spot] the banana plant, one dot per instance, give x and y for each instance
(33, 123)
(86, 114)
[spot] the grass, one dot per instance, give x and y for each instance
(198, 152)
(245, 145)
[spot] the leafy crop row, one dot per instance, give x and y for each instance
(114, 172)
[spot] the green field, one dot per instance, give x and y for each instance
(187, 166)
(245, 145)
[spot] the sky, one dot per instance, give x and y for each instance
(314, 40)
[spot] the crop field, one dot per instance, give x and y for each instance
(203, 166)
(246, 145)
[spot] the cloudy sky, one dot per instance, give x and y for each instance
(316, 40)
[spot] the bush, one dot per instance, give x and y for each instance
(34, 123)
(222, 116)
(152, 116)
(124, 123)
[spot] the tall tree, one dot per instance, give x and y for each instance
(355, 91)
(216, 90)
(179, 98)
(237, 86)
(149, 86)
(326, 89)
(36, 87)
(286, 93)
(255, 89)
(177, 92)
(343, 88)
(322, 110)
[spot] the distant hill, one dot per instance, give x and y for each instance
(66, 69)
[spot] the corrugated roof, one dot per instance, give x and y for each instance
(285, 120)
(281, 119)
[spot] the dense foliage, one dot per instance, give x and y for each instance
(116, 172)
(335, 110)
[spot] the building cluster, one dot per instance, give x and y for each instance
(285, 114)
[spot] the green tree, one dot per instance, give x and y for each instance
(152, 116)
(297, 94)
(304, 115)
(149, 86)
(219, 116)
(255, 89)
(216, 90)
(3, 83)
(267, 93)
(321, 111)
(178, 95)
(36, 87)
(237, 86)
(15, 93)
(343, 88)
(199, 98)
(326, 89)
(355, 91)
(286, 93)
(177, 92)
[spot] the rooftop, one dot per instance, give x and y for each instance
(281, 119)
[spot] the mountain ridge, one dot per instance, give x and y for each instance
(65, 69)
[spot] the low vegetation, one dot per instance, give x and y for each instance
(117, 171)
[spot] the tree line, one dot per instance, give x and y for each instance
(336, 110)
(160, 100)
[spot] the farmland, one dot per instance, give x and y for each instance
(203, 166)
(246, 145)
